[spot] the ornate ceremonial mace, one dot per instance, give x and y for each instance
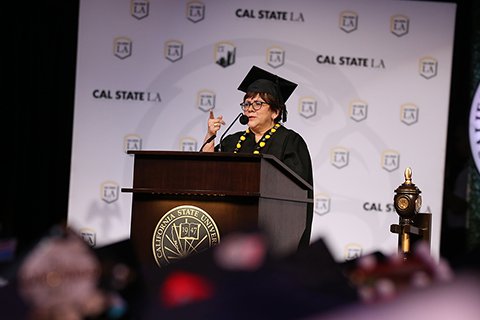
(413, 225)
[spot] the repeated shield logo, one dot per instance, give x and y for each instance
(122, 47)
(89, 236)
(339, 157)
(399, 25)
(409, 113)
(139, 8)
(206, 100)
(322, 204)
(358, 110)
(173, 50)
(132, 142)
(428, 67)
(195, 11)
(353, 251)
(225, 54)
(307, 107)
(188, 144)
(275, 57)
(390, 160)
(109, 191)
(348, 21)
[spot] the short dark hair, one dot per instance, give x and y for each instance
(272, 102)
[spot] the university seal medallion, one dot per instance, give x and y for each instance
(183, 231)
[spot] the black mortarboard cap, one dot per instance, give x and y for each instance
(259, 80)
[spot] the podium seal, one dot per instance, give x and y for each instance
(181, 232)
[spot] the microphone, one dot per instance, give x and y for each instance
(243, 120)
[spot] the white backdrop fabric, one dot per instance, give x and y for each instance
(372, 99)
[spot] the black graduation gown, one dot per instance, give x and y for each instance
(290, 148)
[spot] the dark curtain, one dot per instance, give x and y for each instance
(38, 75)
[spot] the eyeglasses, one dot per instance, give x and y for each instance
(256, 105)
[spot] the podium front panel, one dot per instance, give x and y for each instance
(229, 214)
(183, 201)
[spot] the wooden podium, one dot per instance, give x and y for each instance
(176, 195)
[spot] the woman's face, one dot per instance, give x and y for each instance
(262, 119)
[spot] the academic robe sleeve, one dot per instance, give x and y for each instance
(297, 157)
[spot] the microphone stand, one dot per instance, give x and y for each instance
(243, 120)
(223, 135)
(207, 142)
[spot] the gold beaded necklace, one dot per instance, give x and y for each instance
(260, 144)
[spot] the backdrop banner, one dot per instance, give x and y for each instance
(372, 99)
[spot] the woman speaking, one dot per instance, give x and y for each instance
(264, 105)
